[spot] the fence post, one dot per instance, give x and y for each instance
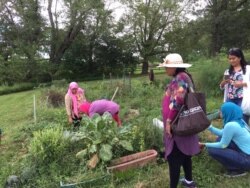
(129, 77)
(103, 77)
(34, 110)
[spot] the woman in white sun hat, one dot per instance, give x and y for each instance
(178, 149)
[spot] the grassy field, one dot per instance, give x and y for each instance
(17, 124)
(16, 113)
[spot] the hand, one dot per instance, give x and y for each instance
(201, 145)
(224, 82)
(237, 84)
(119, 124)
(168, 130)
(70, 120)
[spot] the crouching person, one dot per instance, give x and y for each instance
(100, 107)
(232, 149)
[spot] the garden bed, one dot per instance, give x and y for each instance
(133, 161)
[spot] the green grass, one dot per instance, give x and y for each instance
(16, 112)
(17, 123)
(16, 88)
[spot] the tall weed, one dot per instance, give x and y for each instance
(209, 75)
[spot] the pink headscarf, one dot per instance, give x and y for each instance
(80, 91)
(73, 85)
(84, 108)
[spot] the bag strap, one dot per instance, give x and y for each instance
(190, 84)
(190, 89)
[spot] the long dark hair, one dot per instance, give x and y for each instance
(238, 53)
(178, 70)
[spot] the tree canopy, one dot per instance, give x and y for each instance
(72, 39)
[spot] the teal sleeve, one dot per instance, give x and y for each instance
(227, 134)
(215, 130)
(214, 145)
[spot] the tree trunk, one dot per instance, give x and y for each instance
(90, 53)
(144, 66)
(58, 48)
(216, 41)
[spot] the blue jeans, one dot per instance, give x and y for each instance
(231, 157)
(237, 101)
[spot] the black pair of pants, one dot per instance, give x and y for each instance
(176, 159)
(76, 122)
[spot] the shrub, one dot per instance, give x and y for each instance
(47, 146)
(54, 98)
(209, 75)
(147, 136)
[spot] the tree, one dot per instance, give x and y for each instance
(21, 33)
(97, 50)
(77, 12)
(148, 21)
(189, 39)
(93, 58)
(220, 15)
(22, 26)
(237, 30)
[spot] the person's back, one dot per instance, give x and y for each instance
(240, 136)
(100, 107)
(103, 105)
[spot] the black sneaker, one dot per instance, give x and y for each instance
(188, 185)
(235, 173)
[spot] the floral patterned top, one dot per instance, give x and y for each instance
(234, 92)
(176, 90)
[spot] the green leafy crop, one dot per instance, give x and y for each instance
(102, 139)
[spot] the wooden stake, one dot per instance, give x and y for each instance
(114, 93)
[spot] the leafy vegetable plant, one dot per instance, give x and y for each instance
(102, 139)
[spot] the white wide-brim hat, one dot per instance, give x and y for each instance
(174, 61)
